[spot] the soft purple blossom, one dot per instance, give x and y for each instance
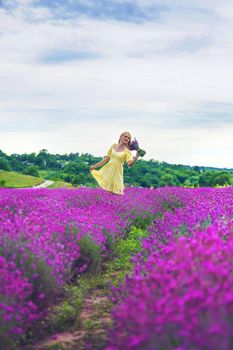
(134, 146)
(179, 295)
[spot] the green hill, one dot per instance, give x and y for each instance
(61, 184)
(73, 168)
(15, 180)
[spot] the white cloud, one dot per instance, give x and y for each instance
(193, 147)
(149, 78)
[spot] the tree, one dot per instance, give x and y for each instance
(31, 170)
(181, 176)
(40, 161)
(212, 178)
(67, 177)
(196, 168)
(79, 179)
(2, 154)
(222, 178)
(2, 183)
(4, 164)
(206, 179)
(168, 180)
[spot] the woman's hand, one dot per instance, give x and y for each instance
(102, 162)
(132, 162)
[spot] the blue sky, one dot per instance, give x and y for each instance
(75, 74)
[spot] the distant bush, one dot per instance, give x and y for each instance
(215, 178)
(2, 183)
(89, 259)
(91, 252)
(32, 170)
(79, 179)
(4, 164)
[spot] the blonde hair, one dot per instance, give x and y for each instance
(128, 134)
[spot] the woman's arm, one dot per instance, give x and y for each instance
(102, 162)
(132, 162)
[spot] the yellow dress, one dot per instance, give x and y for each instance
(110, 176)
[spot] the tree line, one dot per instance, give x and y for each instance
(74, 168)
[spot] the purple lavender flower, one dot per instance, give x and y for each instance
(134, 146)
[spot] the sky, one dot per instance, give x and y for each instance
(74, 74)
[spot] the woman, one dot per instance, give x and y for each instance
(110, 176)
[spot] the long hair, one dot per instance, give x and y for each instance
(130, 137)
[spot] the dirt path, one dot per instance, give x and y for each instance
(47, 183)
(92, 330)
(90, 297)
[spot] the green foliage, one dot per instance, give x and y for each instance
(2, 183)
(143, 219)
(4, 165)
(206, 223)
(67, 177)
(74, 168)
(79, 179)
(192, 181)
(14, 180)
(60, 184)
(168, 180)
(31, 170)
(90, 259)
(90, 250)
(125, 248)
(217, 178)
(182, 231)
(171, 204)
(66, 314)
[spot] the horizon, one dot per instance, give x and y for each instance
(141, 158)
(76, 74)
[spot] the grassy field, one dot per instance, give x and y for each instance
(60, 184)
(15, 180)
(49, 175)
(52, 175)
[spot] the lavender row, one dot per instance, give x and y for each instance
(180, 295)
(40, 231)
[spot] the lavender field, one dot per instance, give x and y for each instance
(179, 294)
